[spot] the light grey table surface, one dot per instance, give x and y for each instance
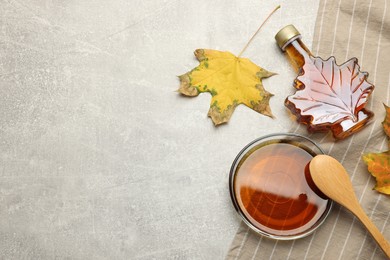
(100, 158)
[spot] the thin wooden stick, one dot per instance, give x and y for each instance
(250, 40)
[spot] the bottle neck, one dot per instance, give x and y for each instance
(297, 53)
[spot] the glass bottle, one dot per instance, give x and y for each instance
(328, 96)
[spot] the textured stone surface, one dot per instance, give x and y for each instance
(99, 157)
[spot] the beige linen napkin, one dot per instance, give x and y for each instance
(345, 29)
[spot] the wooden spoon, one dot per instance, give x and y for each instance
(333, 180)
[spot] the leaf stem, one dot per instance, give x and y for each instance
(250, 40)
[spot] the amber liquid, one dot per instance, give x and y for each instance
(272, 191)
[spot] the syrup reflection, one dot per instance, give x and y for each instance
(276, 211)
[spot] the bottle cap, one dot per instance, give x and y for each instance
(286, 35)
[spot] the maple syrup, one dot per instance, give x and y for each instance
(337, 97)
(271, 191)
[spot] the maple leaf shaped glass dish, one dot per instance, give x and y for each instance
(329, 96)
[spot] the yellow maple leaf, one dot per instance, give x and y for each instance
(379, 163)
(231, 81)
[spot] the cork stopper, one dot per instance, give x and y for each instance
(286, 35)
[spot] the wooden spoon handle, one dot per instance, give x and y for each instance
(380, 239)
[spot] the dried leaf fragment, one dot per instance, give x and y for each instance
(386, 122)
(379, 163)
(230, 80)
(379, 167)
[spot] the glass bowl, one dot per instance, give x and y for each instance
(270, 187)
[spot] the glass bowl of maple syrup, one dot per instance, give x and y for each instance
(271, 189)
